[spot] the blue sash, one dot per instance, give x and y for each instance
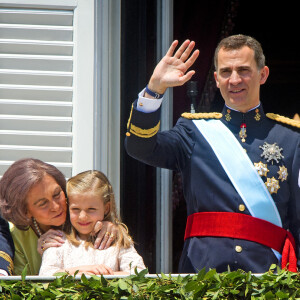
(240, 170)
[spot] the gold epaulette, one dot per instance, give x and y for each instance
(6, 257)
(283, 120)
(197, 116)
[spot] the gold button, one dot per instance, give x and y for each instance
(245, 150)
(238, 249)
(242, 207)
(127, 133)
(141, 104)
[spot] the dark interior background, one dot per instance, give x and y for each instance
(275, 26)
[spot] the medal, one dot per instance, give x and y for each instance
(227, 116)
(261, 168)
(242, 133)
(257, 115)
(272, 185)
(283, 173)
(271, 152)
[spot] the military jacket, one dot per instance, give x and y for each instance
(272, 145)
(6, 247)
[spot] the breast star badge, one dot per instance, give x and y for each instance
(283, 173)
(261, 168)
(271, 152)
(272, 185)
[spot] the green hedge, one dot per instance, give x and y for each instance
(275, 284)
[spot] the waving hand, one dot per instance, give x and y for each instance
(172, 70)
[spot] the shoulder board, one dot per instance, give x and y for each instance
(283, 120)
(197, 116)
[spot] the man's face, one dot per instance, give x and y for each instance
(239, 79)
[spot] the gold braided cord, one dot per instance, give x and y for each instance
(6, 257)
(283, 119)
(144, 133)
(128, 123)
(196, 116)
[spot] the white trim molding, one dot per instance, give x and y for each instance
(107, 91)
(164, 176)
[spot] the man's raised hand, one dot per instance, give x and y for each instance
(172, 70)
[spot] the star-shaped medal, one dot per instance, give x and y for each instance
(261, 168)
(272, 185)
(283, 173)
(271, 152)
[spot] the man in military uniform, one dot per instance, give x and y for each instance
(6, 249)
(240, 168)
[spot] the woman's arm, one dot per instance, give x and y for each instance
(105, 233)
(51, 238)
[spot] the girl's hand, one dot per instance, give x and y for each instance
(51, 238)
(105, 233)
(91, 270)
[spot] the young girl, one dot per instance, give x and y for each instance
(91, 198)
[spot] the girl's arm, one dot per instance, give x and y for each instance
(52, 261)
(129, 259)
(89, 270)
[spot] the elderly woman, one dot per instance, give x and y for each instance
(33, 199)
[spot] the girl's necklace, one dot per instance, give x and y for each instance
(36, 227)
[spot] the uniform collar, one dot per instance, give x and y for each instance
(234, 117)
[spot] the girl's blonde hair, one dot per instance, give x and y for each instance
(97, 183)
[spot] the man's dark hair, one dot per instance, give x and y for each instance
(239, 41)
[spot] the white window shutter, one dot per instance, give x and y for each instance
(36, 86)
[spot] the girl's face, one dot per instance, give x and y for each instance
(46, 202)
(85, 210)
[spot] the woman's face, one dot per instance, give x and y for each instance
(46, 202)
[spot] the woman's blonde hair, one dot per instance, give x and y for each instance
(97, 183)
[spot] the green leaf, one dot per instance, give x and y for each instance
(122, 284)
(215, 295)
(142, 273)
(273, 267)
(15, 297)
(59, 274)
(163, 276)
(210, 274)
(201, 274)
(103, 281)
(269, 295)
(24, 273)
(191, 286)
(84, 279)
